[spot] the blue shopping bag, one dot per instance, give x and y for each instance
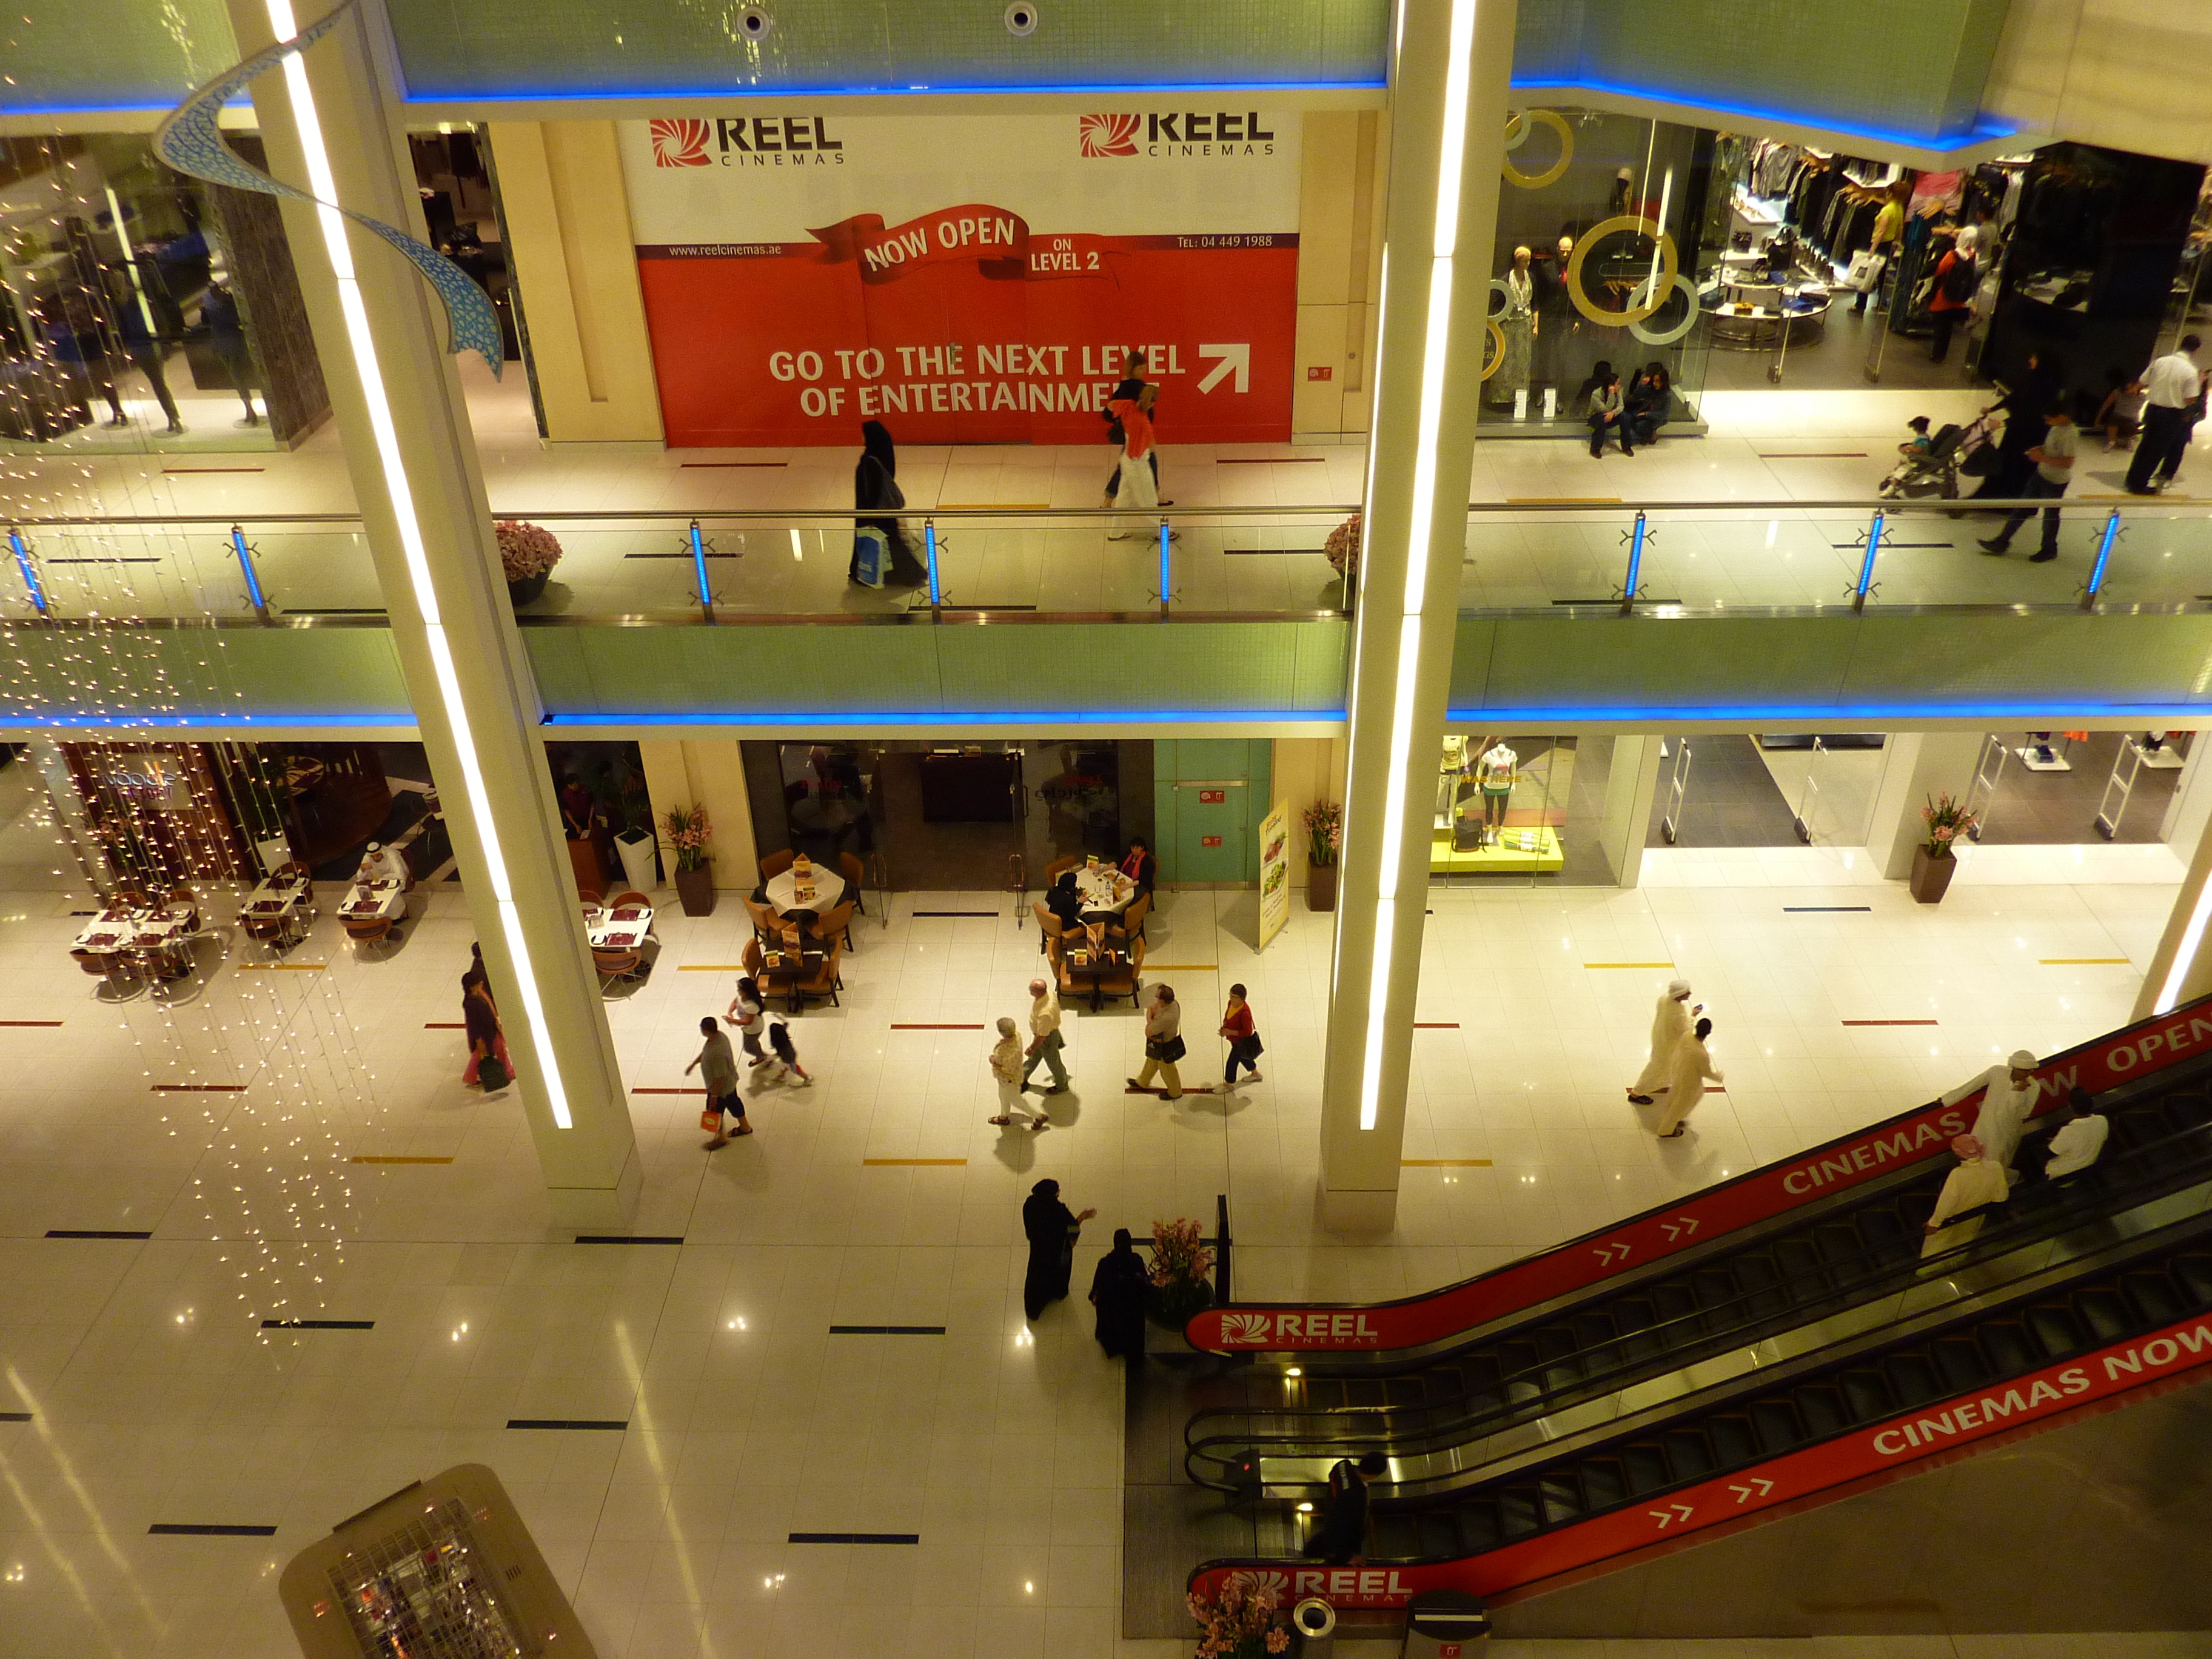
(871, 555)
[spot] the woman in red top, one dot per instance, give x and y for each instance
(1956, 277)
(1244, 1046)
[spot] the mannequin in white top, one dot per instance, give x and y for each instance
(1494, 775)
(1451, 766)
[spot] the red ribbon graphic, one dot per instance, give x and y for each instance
(996, 238)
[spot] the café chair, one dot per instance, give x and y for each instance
(1052, 872)
(190, 901)
(850, 867)
(762, 917)
(1049, 928)
(618, 965)
(629, 896)
(824, 982)
(1133, 919)
(590, 899)
(130, 898)
(369, 930)
(1125, 981)
(96, 963)
(834, 927)
(774, 864)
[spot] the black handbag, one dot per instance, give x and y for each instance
(1168, 1052)
(1250, 1048)
(491, 1074)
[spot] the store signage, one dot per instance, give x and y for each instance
(1319, 372)
(2149, 1046)
(1211, 797)
(1875, 1454)
(1274, 872)
(803, 272)
(1209, 841)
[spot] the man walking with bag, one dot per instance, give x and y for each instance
(1045, 1040)
(1163, 1044)
(2054, 469)
(720, 1064)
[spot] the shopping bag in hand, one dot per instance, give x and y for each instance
(711, 1120)
(871, 555)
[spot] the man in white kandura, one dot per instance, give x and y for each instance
(381, 863)
(1670, 1023)
(2007, 1105)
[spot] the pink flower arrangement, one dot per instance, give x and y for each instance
(1342, 548)
(1178, 1257)
(1946, 819)
(686, 832)
(1238, 1620)
(525, 550)
(1324, 824)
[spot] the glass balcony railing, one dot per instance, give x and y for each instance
(1007, 564)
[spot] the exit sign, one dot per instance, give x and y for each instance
(1211, 797)
(1209, 841)
(1319, 372)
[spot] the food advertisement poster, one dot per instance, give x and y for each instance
(967, 279)
(1274, 872)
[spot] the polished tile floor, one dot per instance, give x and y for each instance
(226, 1119)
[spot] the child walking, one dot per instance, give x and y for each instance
(786, 1055)
(1243, 1035)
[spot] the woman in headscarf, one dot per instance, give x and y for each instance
(1118, 1288)
(875, 489)
(1052, 1228)
(1064, 900)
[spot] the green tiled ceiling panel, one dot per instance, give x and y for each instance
(284, 675)
(495, 48)
(2014, 660)
(110, 54)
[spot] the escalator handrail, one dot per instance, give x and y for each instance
(1756, 1195)
(1833, 1466)
(2011, 1230)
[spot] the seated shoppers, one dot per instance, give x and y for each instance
(1607, 418)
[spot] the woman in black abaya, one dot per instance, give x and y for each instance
(875, 489)
(1052, 1228)
(1118, 1288)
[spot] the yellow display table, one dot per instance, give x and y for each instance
(1516, 851)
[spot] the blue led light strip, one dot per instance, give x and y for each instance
(245, 563)
(22, 551)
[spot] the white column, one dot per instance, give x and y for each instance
(1916, 766)
(1450, 65)
(330, 125)
(1624, 823)
(2181, 968)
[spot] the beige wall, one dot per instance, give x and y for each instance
(1305, 770)
(567, 218)
(710, 771)
(1340, 269)
(2134, 74)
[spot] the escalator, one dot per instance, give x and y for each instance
(2077, 1295)
(1693, 1223)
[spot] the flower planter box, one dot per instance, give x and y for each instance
(695, 889)
(1931, 875)
(1321, 887)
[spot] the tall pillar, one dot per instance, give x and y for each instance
(1916, 766)
(1450, 65)
(1630, 786)
(330, 127)
(2181, 968)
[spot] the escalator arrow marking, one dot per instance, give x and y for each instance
(1668, 1517)
(1675, 1230)
(1744, 1494)
(1610, 1253)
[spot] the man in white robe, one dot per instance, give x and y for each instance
(1670, 1023)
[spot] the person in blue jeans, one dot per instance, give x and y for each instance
(1608, 416)
(2054, 469)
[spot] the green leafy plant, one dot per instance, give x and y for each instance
(1947, 818)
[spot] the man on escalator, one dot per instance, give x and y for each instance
(2007, 1102)
(1340, 1540)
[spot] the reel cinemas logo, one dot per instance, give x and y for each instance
(757, 141)
(1184, 132)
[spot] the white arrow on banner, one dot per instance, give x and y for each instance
(1672, 1513)
(1744, 1494)
(1688, 1224)
(1237, 357)
(1610, 1253)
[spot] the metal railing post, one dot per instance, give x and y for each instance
(1167, 573)
(253, 593)
(929, 553)
(2103, 557)
(1865, 583)
(22, 549)
(1635, 566)
(699, 565)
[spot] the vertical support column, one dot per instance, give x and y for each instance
(1916, 765)
(2181, 968)
(1631, 787)
(1451, 63)
(327, 120)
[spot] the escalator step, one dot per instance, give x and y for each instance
(1822, 1405)
(1594, 1330)
(2008, 1346)
(1913, 1376)
(1646, 1465)
(1365, 1391)
(1405, 1391)
(2104, 1311)
(1518, 1511)
(1961, 1362)
(1776, 1425)
(1555, 1341)
(2153, 1296)
(1689, 1453)
(1801, 1263)
(1677, 1306)
(1715, 1287)
(1635, 1315)
(1868, 1395)
(1733, 1440)
(1839, 1243)
(1884, 1229)
(1604, 1483)
(2190, 1110)
(1759, 1294)
(2056, 1331)
(1480, 1371)
(2195, 1272)
(1440, 1533)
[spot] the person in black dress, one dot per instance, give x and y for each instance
(1052, 1228)
(1119, 1285)
(875, 489)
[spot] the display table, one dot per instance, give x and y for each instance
(1742, 327)
(1535, 847)
(623, 929)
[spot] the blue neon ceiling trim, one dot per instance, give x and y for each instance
(1985, 131)
(930, 717)
(418, 94)
(44, 718)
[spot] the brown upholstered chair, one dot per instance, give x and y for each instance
(774, 864)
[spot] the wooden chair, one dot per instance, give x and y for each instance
(1133, 919)
(1052, 872)
(590, 899)
(774, 864)
(826, 981)
(629, 895)
(367, 929)
(763, 918)
(618, 964)
(190, 900)
(1125, 981)
(97, 963)
(834, 927)
(855, 877)
(1049, 928)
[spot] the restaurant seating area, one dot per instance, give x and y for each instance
(801, 917)
(618, 931)
(1097, 952)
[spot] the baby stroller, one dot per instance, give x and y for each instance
(1934, 471)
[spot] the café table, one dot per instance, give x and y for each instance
(783, 890)
(625, 927)
(367, 902)
(162, 936)
(277, 908)
(790, 968)
(1088, 966)
(105, 943)
(1104, 889)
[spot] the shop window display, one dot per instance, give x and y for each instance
(1600, 230)
(143, 311)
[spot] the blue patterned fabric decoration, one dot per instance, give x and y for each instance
(190, 141)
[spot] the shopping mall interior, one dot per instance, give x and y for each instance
(1649, 1026)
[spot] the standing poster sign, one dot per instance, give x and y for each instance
(1274, 872)
(807, 270)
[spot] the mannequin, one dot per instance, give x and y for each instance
(1450, 769)
(1517, 322)
(1495, 775)
(1555, 305)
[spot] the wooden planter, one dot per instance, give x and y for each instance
(1321, 887)
(1931, 875)
(695, 889)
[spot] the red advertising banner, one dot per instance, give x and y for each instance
(801, 273)
(2134, 1051)
(1891, 1446)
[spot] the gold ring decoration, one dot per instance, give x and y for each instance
(1627, 224)
(1496, 348)
(1668, 335)
(1558, 123)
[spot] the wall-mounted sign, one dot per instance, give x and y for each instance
(1212, 797)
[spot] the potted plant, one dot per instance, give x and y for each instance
(1933, 861)
(1324, 821)
(1342, 551)
(687, 833)
(527, 553)
(618, 785)
(1238, 1620)
(1179, 1265)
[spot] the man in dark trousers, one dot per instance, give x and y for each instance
(1340, 1540)
(2172, 387)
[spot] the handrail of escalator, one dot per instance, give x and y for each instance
(2182, 1034)
(2013, 1228)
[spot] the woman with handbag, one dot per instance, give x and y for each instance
(875, 489)
(1163, 1044)
(488, 1062)
(1243, 1035)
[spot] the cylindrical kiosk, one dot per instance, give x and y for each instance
(1445, 1625)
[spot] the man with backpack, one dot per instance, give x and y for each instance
(1957, 275)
